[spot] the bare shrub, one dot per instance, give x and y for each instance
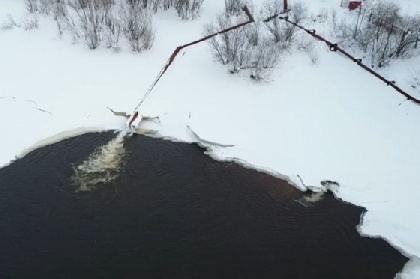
(32, 6)
(102, 22)
(153, 5)
(245, 48)
(57, 8)
(30, 22)
(138, 28)
(334, 22)
(228, 48)
(275, 26)
(188, 9)
(67, 20)
(182, 7)
(407, 40)
(99, 22)
(321, 16)
(234, 7)
(112, 31)
(195, 8)
(9, 24)
(90, 20)
(91, 17)
(281, 31)
(383, 34)
(46, 6)
(306, 44)
(179, 5)
(344, 34)
(167, 4)
(253, 33)
(59, 11)
(298, 12)
(263, 59)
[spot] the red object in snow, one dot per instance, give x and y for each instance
(284, 6)
(353, 5)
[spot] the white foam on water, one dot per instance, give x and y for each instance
(102, 166)
(315, 197)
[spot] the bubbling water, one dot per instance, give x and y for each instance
(315, 197)
(102, 166)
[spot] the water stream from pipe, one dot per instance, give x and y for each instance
(102, 166)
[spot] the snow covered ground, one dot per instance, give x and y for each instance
(330, 120)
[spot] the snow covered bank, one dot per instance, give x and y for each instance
(330, 120)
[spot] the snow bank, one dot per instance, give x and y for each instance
(330, 120)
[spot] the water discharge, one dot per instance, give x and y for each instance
(149, 224)
(102, 166)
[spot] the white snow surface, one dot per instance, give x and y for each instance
(330, 120)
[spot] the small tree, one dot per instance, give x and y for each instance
(188, 9)
(153, 5)
(407, 40)
(234, 7)
(138, 28)
(112, 31)
(245, 48)
(167, 4)
(30, 22)
(334, 23)
(264, 58)
(91, 16)
(383, 33)
(46, 6)
(228, 48)
(281, 31)
(67, 19)
(32, 6)
(253, 33)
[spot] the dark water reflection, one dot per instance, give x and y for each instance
(174, 213)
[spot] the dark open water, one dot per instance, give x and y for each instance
(174, 213)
